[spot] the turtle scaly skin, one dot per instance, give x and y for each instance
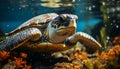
(48, 33)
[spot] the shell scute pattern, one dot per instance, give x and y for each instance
(40, 20)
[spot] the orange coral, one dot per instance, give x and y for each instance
(27, 67)
(19, 62)
(75, 67)
(116, 39)
(103, 55)
(111, 52)
(4, 55)
(65, 65)
(81, 55)
(116, 48)
(23, 55)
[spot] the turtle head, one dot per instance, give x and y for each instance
(62, 27)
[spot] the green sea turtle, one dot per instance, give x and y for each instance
(48, 33)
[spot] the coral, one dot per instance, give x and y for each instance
(23, 55)
(27, 67)
(103, 60)
(73, 59)
(64, 65)
(16, 65)
(4, 55)
(19, 62)
(14, 62)
(111, 57)
(116, 40)
(10, 65)
(112, 53)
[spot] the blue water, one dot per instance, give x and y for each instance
(14, 13)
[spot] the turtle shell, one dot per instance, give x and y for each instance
(38, 21)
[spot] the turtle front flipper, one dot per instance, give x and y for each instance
(18, 39)
(88, 41)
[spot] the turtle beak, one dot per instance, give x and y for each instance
(72, 23)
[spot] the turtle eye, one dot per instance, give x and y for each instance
(55, 26)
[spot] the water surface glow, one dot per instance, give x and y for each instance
(15, 12)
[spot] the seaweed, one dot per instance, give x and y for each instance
(103, 37)
(110, 16)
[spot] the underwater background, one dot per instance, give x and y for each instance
(15, 12)
(99, 18)
(92, 13)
